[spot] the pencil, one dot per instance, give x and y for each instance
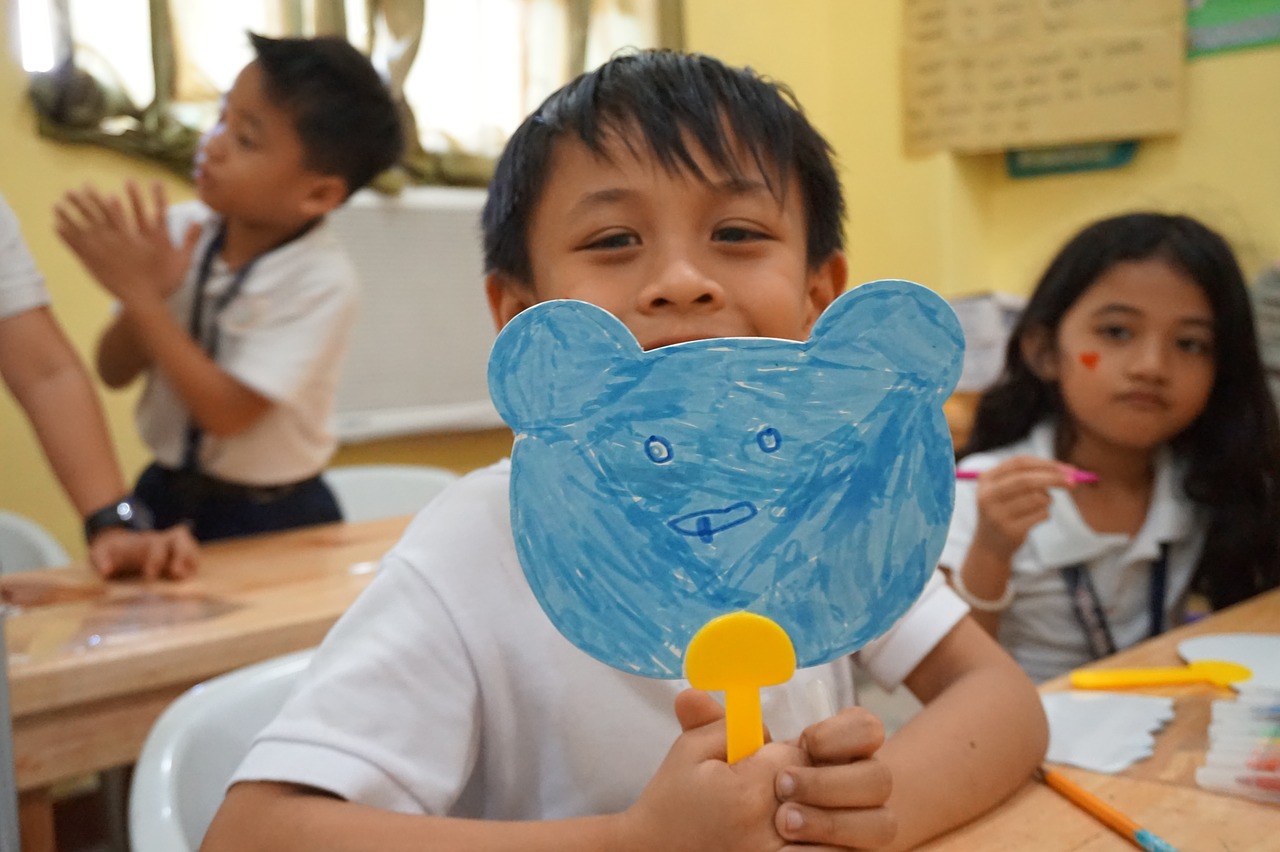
(1104, 813)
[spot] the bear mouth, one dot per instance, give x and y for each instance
(704, 525)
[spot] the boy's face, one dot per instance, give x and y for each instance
(674, 257)
(251, 164)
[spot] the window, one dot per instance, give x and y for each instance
(469, 74)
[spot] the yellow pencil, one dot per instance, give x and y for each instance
(1104, 813)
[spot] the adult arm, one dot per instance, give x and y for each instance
(52, 386)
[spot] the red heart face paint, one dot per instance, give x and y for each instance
(1089, 359)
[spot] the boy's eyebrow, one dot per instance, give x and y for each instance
(730, 186)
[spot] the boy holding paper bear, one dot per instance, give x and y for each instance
(692, 201)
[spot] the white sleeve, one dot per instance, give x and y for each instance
(302, 329)
(895, 655)
(387, 713)
(964, 520)
(21, 285)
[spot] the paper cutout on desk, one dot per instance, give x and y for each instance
(651, 492)
(1103, 731)
(1259, 652)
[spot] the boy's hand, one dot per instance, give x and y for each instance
(697, 802)
(839, 801)
(1013, 497)
(170, 553)
(128, 251)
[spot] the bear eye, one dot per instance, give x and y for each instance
(658, 449)
(769, 439)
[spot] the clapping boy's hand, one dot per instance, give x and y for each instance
(835, 798)
(128, 251)
(697, 802)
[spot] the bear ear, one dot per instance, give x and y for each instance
(892, 325)
(553, 361)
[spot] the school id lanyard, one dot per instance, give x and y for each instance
(191, 451)
(1088, 609)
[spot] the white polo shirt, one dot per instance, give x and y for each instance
(445, 689)
(1040, 628)
(284, 336)
(21, 285)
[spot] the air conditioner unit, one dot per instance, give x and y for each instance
(420, 350)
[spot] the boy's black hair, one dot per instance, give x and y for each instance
(654, 98)
(1232, 449)
(341, 108)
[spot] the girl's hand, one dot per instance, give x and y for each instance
(839, 801)
(1013, 497)
(128, 251)
(697, 802)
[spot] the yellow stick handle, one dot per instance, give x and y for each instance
(744, 725)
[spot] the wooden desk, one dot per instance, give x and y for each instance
(1189, 818)
(93, 664)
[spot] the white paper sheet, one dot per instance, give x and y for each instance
(1103, 731)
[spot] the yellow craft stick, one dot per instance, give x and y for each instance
(738, 653)
(1216, 672)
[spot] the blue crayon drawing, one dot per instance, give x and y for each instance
(811, 483)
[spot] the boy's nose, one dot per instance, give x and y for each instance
(681, 285)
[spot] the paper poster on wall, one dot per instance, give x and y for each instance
(990, 75)
(1214, 26)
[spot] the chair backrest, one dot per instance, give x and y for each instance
(366, 492)
(24, 545)
(194, 747)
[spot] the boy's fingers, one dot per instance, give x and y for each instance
(851, 734)
(136, 205)
(161, 202)
(157, 552)
(861, 784)
(695, 708)
(186, 555)
(80, 203)
(868, 828)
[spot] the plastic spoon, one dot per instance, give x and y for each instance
(738, 653)
(1216, 672)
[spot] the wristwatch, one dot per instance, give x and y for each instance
(127, 513)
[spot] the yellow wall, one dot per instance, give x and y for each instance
(957, 224)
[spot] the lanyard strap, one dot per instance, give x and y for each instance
(1088, 609)
(191, 450)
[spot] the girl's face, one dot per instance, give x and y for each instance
(1134, 357)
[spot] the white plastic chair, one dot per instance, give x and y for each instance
(194, 747)
(24, 545)
(366, 492)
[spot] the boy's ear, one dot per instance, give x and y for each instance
(507, 297)
(324, 194)
(1040, 353)
(823, 284)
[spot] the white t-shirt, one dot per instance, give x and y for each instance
(1040, 628)
(284, 336)
(21, 285)
(446, 690)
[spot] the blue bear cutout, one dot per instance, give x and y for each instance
(651, 492)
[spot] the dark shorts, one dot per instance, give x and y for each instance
(215, 509)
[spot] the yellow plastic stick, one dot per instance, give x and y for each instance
(738, 653)
(1216, 672)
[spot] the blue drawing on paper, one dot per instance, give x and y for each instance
(811, 483)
